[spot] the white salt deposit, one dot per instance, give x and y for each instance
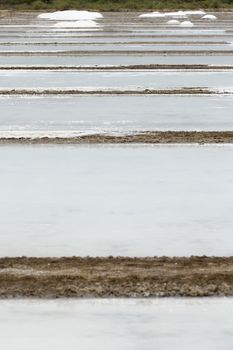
(212, 17)
(176, 14)
(76, 24)
(173, 22)
(186, 24)
(70, 15)
(152, 15)
(163, 15)
(195, 12)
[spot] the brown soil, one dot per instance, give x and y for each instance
(116, 277)
(94, 43)
(115, 91)
(182, 67)
(157, 137)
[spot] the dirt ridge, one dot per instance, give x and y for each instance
(116, 277)
(156, 137)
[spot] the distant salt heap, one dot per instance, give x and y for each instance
(211, 17)
(186, 24)
(76, 24)
(152, 15)
(195, 13)
(175, 14)
(71, 16)
(73, 19)
(173, 22)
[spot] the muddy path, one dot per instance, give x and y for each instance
(156, 137)
(116, 277)
(116, 91)
(132, 67)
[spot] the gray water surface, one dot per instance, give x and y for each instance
(114, 59)
(151, 79)
(116, 200)
(72, 116)
(161, 324)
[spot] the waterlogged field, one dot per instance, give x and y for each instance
(125, 324)
(86, 115)
(123, 80)
(136, 201)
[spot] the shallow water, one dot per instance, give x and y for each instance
(111, 39)
(70, 116)
(161, 324)
(137, 201)
(151, 79)
(113, 60)
(112, 47)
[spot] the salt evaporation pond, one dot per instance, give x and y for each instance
(75, 115)
(14, 60)
(122, 200)
(151, 79)
(111, 324)
(111, 39)
(114, 47)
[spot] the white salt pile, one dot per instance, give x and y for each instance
(76, 24)
(152, 15)
(212, 17)
(71, 15)
(176, 14)
(194, 12)
(173, 22)
(186, 24)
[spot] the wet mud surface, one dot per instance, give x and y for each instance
(156, 137)
(135, 67)
(116, 91)
(116, 277)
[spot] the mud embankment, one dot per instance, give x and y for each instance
(116, 277)
(135, 67)
(156, 137)
(116, 91)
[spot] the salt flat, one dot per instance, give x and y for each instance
(205, 324)
(136, 201)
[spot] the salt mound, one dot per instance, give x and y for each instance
(176, 14)
(173, 22)
(70, 15)
(76, 24)
(209, 17)
(162, 15)
(193, 12)
(186, 24)
(152, 15)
